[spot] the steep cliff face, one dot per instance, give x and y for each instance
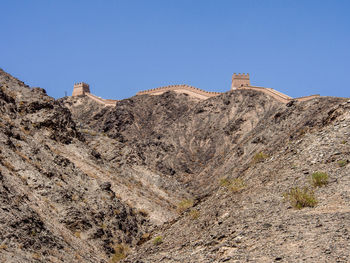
(172, 178)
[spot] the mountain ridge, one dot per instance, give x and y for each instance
(148, 178)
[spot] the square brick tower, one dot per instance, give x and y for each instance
(80, 89)
(240, 80)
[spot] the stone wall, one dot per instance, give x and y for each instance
(192, 91)
(239, 81)
(279, 95)
(102, 101)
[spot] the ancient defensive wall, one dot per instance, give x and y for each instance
(239, 81)
(192, 91)
(83, 89)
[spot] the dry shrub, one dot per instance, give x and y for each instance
(194, 214)
(184, 205)
(300, 197)
(319, 179)
(259, 157)
(120, 252)
(234, 185)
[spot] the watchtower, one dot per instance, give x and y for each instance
(240, 80)
(80, 89)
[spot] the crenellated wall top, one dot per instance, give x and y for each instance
(240, 76)
(179, 87)
(81, 84)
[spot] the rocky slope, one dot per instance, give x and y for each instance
(171, 179)
(54, 208)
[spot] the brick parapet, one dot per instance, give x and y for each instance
(195, 90)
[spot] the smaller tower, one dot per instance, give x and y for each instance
(80, 89)
(240, 80)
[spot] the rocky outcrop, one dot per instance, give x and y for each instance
(52, 209)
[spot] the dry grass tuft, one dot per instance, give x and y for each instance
(300, 197)
(184, 205)
(259, 157)
(120, 252)
(319, 179)
(234, 185)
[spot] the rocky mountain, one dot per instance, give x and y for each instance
(169, 178)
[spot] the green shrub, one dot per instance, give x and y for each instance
(120, 252)
(342, 163)
(319, 179)
(184, 205)
(234, 185)
(300, 197)
(259, 157)
(158, 240)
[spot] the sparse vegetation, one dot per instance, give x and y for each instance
(319, 179)
(259, 157)
(158, 240)
(184, 205)
(194, 214)
(300, 197)
(120, 252)
(234, 185)
(342, 163)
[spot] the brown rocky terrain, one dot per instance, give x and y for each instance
(171, 179)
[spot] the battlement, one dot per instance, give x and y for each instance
(241, 75)
(80, 88)
(240, 80)
(182, 88)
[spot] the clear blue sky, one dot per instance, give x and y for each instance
(298, 47)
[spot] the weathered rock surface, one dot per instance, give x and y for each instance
(78, 179)
(53, 209)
